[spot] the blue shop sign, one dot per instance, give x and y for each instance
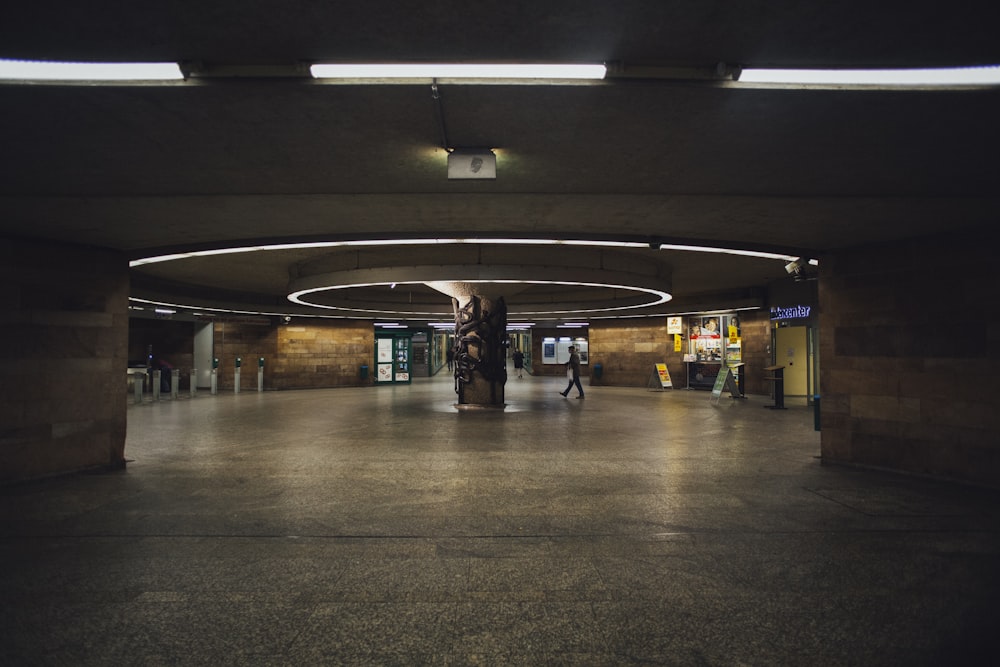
(790, 312)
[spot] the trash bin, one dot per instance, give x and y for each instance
(364, 372)
(598, 371)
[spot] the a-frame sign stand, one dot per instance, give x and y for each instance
(726, 381)
(659, 379)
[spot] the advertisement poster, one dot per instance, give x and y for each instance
(675, 325)
(705, 327)
(384, 350)
(549, 353)
(664, 375)
(385, 372)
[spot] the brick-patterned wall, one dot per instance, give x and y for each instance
(323, 354)
(909, 342)
(249, 342)
(64, 317)
(755, 331)
(309, 354)
(629, 349)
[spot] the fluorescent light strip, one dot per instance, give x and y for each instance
(945, 77)
(35, 70)
(211, 311)
(497, 241)
(374, 71)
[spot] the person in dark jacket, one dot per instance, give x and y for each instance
(573, 372)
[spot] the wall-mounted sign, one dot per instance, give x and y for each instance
(790, 312)
(675, 325)
(677, 342)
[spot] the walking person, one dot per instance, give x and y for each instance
(573, 372)
(519, 363)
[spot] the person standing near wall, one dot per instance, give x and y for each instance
(166, 373)
(573, 372)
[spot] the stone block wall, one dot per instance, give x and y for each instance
(64, 318)
(249, 341)
(310, 354)
(628, 351)
(909, 336)
(323, 354)
(755, 331)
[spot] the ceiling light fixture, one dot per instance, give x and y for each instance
(472, 163)
(393, 71)
(930, 77)
(155, 259)
(38, 70)
(655, 296)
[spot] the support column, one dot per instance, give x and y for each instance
(480, 350)
(65, 353)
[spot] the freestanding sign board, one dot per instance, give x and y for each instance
(660, 378)
(726, 381)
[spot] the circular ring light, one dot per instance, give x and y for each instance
(322, 290)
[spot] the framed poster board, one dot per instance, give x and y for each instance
(660, 378)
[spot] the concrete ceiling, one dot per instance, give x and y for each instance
(249, 160)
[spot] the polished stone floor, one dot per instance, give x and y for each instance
(382, 526)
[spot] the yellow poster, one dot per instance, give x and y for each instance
(677, 342)
(661, 370)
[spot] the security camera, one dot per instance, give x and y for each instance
(795, 268)
(287, 318)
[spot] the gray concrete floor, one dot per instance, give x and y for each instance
(381, 526)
